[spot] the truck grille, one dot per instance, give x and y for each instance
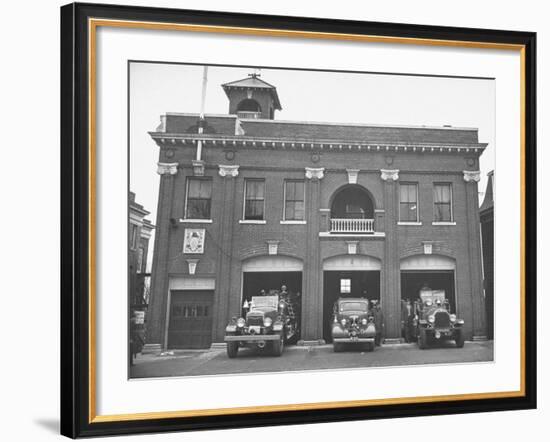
(255, 320)
(442, 320)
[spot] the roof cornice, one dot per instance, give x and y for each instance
(224, 141)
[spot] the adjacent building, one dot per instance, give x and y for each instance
(487, 219)
(248, 202)
(140, 230)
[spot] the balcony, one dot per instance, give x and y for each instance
(249, 115)
(351, 212)
(351, 225)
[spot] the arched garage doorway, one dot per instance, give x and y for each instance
(434, 271)
(352, 276)
(270, 273)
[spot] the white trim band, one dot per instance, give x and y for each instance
(195, 221)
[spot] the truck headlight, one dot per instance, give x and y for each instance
(431, 319)
(453, 318)
(267, 322)
(364, 321)
(241, 322)
(343, 321)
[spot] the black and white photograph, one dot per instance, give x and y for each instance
(275, 221)
(286, 220)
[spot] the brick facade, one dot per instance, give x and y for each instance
(487, 218)
(418, 155)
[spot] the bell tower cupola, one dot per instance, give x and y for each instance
(252, 97)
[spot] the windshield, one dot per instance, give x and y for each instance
(353, 306)
(264, 301)
(430, 297)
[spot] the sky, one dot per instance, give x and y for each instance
(366, 98)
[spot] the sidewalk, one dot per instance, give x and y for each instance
(299, 358)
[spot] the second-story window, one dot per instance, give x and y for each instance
(408, 202)
(139, 267)
(254, 199)
(294, 200)
(133, 236)
(443, 209)
(199, 197)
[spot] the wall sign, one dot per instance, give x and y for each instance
(193, 241)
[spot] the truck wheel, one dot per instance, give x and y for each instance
(422, 340)
(278, 346)
(337, 347)
(232, 349)
(459, 339)
(370, 346)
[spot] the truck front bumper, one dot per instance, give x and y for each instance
(353, 340)
(442, 333)
(251, 338)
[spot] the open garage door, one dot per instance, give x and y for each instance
(351, 276)
(271, 273)
(255, 282)
(432, 271)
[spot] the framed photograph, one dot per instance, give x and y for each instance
(275, 220)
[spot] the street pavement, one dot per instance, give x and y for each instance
(299, 358)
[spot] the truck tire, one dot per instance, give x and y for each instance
(459, 339)
(232, 349)
(278, 346)
(337, 347)
(422, 340)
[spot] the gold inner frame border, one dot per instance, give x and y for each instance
(93, 24)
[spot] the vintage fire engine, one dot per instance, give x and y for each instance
(270, 320)
(434, 320)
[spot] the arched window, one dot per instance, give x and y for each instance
(249, 105)
(352, 211)
(352, 202)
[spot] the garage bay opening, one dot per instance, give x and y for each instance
(258, 283)
(347, 284)
(413, 281)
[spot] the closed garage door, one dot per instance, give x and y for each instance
(190, 319)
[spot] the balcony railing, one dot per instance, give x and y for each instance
(351, 225)
(249, 115)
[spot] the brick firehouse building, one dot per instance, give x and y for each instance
(248, 202)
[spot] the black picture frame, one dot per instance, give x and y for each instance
(76, 249)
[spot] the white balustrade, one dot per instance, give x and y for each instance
(351, 225)
(249, 115)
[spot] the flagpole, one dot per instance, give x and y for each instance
(201, 118)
